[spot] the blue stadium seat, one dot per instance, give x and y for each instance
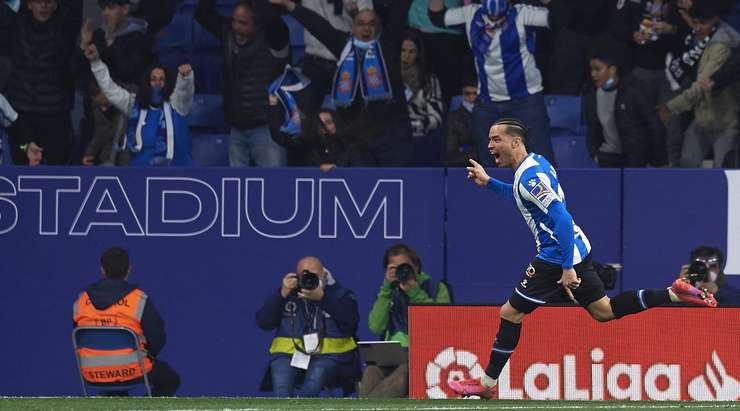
(571, 152)
(210, 150)
(207, 112)
(564, 112)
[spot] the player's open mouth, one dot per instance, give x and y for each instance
(495, 155)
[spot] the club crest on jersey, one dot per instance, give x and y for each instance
(543, 194)
(530, 271)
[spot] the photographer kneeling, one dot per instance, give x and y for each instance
(316, 320)
(404, 284)
(705, 272)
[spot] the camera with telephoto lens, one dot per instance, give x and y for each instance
(405, 272)
(308, 280)
(698, 271)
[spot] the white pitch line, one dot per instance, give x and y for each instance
(492, 407)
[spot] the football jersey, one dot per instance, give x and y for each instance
(536, 191)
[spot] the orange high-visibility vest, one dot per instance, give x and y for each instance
(126, 312)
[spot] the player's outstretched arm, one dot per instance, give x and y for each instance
(478, 174)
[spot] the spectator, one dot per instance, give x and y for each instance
(41, 86)
(709, 275)
(123, 42)
(424, 100)
(727, 75)
(7, 118)
(372, 106)
(113, 300)
(315, 319)
(312, 140)
(575, 27)
(715, 123)
(108, 129)
(651, 28)
(318, 63)
(256, 48)
(157, 133)
(460, 143)
(450, 48)
(623, 128)
(510, 83)
(404, 283)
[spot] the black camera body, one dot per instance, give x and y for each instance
(308, 280)
(698, 271)
(405, 272)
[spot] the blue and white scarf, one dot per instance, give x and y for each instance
(490, 16)
(290, 81)
(374, 82)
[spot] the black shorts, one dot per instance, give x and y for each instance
(539, 285)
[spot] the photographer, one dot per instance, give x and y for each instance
(705, 272)
(316, 319)
(404, 284)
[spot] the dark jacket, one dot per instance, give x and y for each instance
(129, 55)
(729, 71)
(460, 145)
(637, 124)
(308, 148)
(250, 69)
(366, 122)
(106, 292)
(158, 13)
(42, 57)
(650, 56)
(338, 302)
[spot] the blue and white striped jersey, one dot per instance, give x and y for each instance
(507, 69)
(541, 200)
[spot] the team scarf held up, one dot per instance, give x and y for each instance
(361, 64)
(682, 67)
(289, 82)
(491, 16)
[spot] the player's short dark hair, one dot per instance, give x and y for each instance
(514, 127)
(707, 251)
(115, 262)
(404, 249)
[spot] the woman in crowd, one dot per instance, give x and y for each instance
(157, 132)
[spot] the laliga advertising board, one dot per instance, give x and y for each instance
(661, 354)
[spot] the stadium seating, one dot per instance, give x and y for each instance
(207, 112)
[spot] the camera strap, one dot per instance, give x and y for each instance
(313, 336)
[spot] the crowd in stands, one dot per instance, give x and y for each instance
(366, 83)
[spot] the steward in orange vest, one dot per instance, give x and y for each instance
(113, 301)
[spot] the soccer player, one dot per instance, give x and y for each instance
(563, 254)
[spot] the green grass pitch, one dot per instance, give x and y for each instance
(254, 404)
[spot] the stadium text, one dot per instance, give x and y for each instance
(188, 207)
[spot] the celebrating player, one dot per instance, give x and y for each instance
(563, 254)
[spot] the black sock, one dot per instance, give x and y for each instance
(506, 340)
(632, 302)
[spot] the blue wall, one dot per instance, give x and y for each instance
(207, 259)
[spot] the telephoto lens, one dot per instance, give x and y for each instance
(405, 272)
(308, 280)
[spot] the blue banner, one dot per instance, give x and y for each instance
(208, 245)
